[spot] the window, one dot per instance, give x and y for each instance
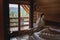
(14, 17)
(24, 14)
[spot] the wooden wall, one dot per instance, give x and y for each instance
(35, 17)
(1, 21)
(51, 8)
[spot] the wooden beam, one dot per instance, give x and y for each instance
(19, 1)
(27, 9)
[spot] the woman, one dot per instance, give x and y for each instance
(40, 23)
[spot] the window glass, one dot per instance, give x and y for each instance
(13, 15)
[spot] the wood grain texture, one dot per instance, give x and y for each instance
(51, 8)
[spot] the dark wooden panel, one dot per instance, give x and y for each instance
(19, 1)
(1, 21)
(52, 23)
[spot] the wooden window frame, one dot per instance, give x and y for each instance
(19, 12)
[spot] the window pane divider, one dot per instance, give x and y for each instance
(19, 17)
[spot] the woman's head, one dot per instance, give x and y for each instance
(42, 14)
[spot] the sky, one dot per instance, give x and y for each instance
(13, 5)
